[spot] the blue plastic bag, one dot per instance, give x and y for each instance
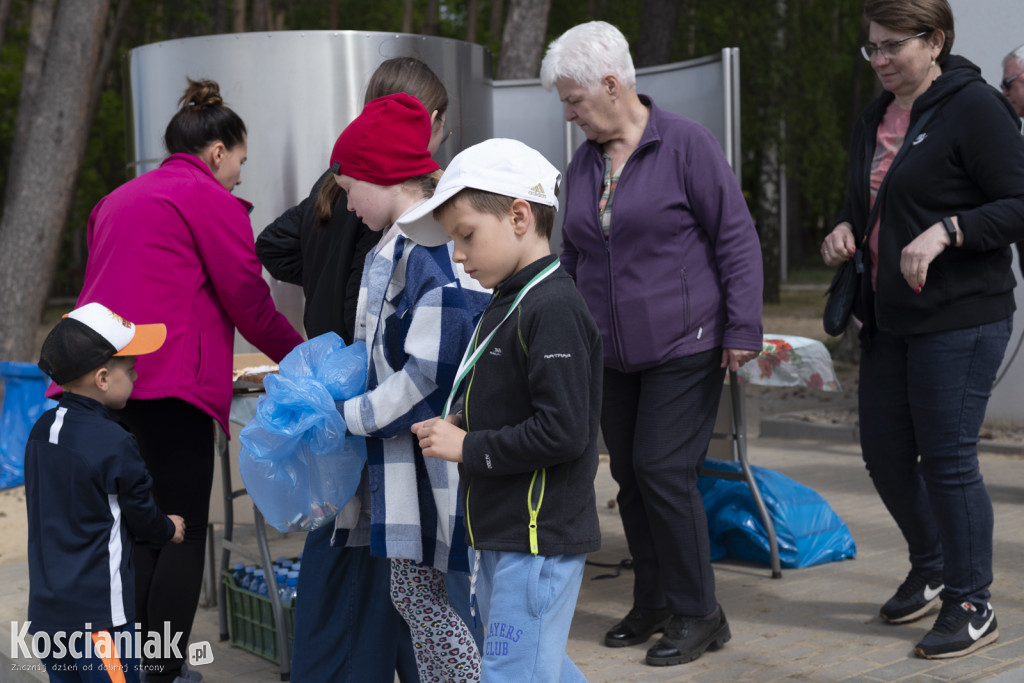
(297, 463)
(24, 402)
(808, 531)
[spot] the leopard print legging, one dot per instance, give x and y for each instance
(444, 647)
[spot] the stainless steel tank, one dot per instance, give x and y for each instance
(296, 91)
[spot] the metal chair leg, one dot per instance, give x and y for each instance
(739, 449)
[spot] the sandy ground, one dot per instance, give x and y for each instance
(14, 535)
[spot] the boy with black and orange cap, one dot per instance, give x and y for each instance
(88, 497)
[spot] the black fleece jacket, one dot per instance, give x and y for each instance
(532, 406)
(968, 161)
(327, 261)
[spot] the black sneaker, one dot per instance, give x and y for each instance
(959, 630)
(686, 639)
(915, 597)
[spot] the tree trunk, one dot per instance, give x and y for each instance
(220, 16)
(522, 43)
(407, 8)
(766, 214)
(238, 23)
(5, 9)
(430, 21)
(259, 15)
(40, 25)
(657, 29)
(39, 188)
(106, 58)
(332, 14)
(472, 16)
(497, 17)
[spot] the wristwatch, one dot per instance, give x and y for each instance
(950, 229)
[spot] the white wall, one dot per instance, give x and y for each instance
(985, 31)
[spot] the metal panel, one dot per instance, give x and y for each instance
(296, 91)
(705, 90)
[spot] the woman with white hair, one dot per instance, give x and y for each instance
(673, 278)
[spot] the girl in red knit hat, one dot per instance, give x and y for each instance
(416, 316)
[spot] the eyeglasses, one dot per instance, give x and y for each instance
(1007, 82)
(889, 48)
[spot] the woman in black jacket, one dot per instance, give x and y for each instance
(346, 628)
(935, 198)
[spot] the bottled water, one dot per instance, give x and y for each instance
(247, 579)
(238, 570)
(290, 591)
(259, 584)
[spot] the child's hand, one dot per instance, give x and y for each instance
(179, 528)
(440, 439)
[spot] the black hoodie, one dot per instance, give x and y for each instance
(967, 161)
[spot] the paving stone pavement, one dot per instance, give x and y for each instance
(813, 624)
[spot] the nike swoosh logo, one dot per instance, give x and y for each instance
(930, 593)
(976, 633)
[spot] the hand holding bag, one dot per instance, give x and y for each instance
(845, 282)
(841, 294)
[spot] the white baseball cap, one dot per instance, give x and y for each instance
(499, 165)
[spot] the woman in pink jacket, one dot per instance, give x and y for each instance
(175, 246)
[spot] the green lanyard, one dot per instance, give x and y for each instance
(471, 356)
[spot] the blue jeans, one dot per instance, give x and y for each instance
(527, 602)
(922, 402)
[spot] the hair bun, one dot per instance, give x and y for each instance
(201, 95)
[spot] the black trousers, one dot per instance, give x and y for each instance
(177, 441)
(657, 424)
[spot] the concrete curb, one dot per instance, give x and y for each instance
(794, 426)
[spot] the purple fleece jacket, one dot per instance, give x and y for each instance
(681, 271)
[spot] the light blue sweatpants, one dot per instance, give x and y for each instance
(527, 603)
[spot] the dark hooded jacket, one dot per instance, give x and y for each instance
(327, 261)
(967, 161)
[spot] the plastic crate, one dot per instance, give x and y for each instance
(251, 620)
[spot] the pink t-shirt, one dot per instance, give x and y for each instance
(888, 140)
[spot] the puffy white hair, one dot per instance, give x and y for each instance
(1016, 56)
(585, 54)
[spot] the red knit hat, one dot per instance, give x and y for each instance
(387, 142)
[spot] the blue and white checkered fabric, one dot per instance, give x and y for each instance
(417, 311)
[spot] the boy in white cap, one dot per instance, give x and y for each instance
(525, 433)
(88, 497)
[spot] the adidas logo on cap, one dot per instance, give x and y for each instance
(538, 191)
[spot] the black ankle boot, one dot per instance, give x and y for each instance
(686, 639)
(637, 627)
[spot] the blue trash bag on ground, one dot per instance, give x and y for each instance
(808, 531)
(24, 402)
(298, 463)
